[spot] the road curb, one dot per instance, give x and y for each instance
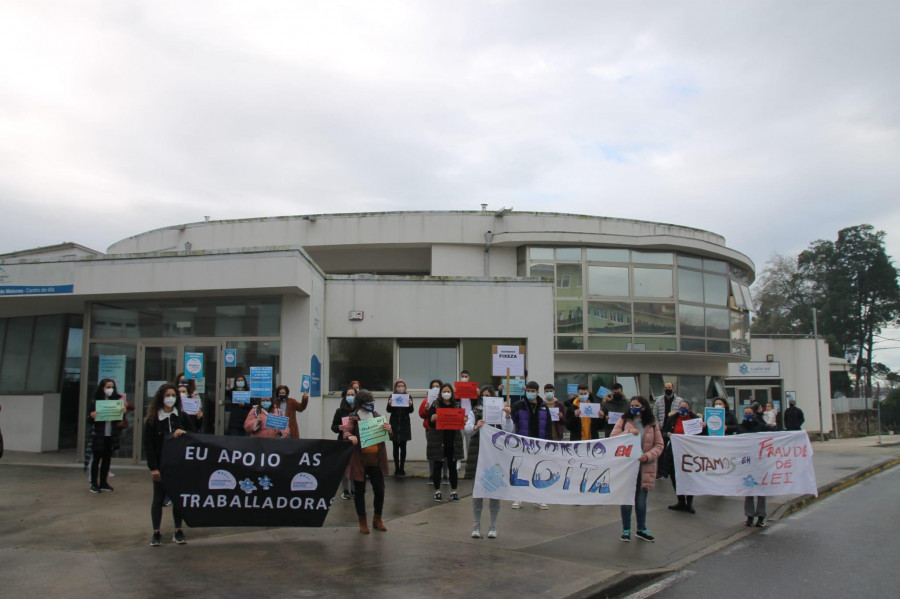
(625, 582)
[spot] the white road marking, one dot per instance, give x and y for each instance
(660, 586)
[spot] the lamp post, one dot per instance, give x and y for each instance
(819, 375)
(865, 371)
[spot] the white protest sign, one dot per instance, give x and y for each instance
(554, 414)
(694, 426)
(433, 394)
(510, 357)
(466, 404)
(754, 464)
(613, 417)
(191, 405)
(589, 410)
(517, 468)
(400, 400)
(492, 410)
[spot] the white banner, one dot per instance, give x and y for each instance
(739, 465)
(517, 468)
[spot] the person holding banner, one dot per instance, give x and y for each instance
(344, 409)
(675, 426)
(444, 446)
(290, 407)
(401, 426)
(255, 424)
(557, 413)
(474, 422)
(639, 420)
(164, 419)
(751, 424)
(531, 419)
(434, 389)
(370, 461)
(105, 435)
(238, 412)
(582, 429)
(614, 405)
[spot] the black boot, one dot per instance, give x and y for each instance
(689, 505)
(680, 506)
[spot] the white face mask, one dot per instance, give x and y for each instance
(464, 379)
(446, 395)
(401, 389)
(169, 401)
(240, 384)
(108, 391)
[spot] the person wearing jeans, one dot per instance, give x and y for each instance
(639, 421)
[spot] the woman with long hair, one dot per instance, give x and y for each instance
(444, 446)
(105, 436)
(366, 462)
(164, 419)
(344, 409)
(401, 427)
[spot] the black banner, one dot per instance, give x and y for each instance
(242, 481)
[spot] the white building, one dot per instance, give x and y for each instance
(368, 297)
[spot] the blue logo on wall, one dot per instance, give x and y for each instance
(744, 369)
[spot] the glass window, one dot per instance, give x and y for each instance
(629, 384)
(476, 358)
(540, 253)
(601, 380)
(715, 265)
(14, 361)
(736, 321)
(46, 351)
(656, 319)
(748, 299)
(609, 343)
(693, 345)
(609, 317)
(690, 286)
(568, 254)
(562, 380)
(738, 296)
(718, 347)
(608, 280)
(651, 257)
(693, 389)
(690, 262)
(717, 323)
(658, 383)
(715, 289)
(690, 321)
(569, 317)
(369, 361)
(3, 322)
(423, 361)
(542, 270)
(568, 280)
(653, 282)
(738, 273)
(607, 255)
(569, 342)
(128, 353)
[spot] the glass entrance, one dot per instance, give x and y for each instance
(208, 387)
(158, 367)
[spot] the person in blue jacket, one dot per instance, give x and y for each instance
(531, 417)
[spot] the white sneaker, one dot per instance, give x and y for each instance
(492, 533)
(516, 505)
(476, 532)
(111, 474)
(543, 506)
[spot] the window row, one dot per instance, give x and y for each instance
(629, 343)
(648, 318)
(32, 349)
(697, 389)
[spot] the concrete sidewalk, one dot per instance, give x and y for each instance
(59, 540)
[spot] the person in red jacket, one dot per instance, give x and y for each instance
(290, 407)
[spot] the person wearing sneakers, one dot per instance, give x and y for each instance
(639, 420)
(164, 419)
(105, 439)
(531, 418)
(402, 428)
(429, 431)
(367, 462)
(444, 446)
(751, 424)
(474, 421)
(344, 409)
(582, 429)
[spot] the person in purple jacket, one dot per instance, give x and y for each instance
(531, 417)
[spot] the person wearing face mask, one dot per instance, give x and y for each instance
(582, 429)
(474, 421)
(615, 402)
(402, 428)
(256, 420)
(731, 423)
(663, 406)
(444, 446)
(105, 436)
(238, 412)
(557, 427)
(531, 419)
(208, 405)
(751, 424)
(369, 462)
(344, 409)
(164, 419)
(639, 420)
(676, 427)
(429, 432)
(196, 419)
(290, 407)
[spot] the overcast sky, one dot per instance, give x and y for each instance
(772, 123)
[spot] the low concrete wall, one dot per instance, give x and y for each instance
(30, 422)
(853, 423)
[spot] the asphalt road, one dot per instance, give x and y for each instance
(844, 546)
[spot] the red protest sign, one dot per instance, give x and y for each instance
(465, 390)
(451, 419)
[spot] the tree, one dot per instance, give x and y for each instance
(781, 306)
(854, 284)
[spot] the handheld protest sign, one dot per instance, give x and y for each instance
(371, 431)
(450, 419)
(109, 410)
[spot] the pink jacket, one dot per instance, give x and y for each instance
(651, 445)
(262, 431)
(355, 469)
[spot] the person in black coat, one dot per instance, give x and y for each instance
(751, 424)
(401, 427)
(731, 421)
(105, 439)
(793, 417)
(164, 419)
(237, 412)
(343, 411)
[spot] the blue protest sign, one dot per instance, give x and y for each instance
(242, 397)
(517, 386)
(305, 383)
(276, 422)
(193, 365)
(603, 392)
(572, 389)
(230, 358)
(715, 421)
(260, 381)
